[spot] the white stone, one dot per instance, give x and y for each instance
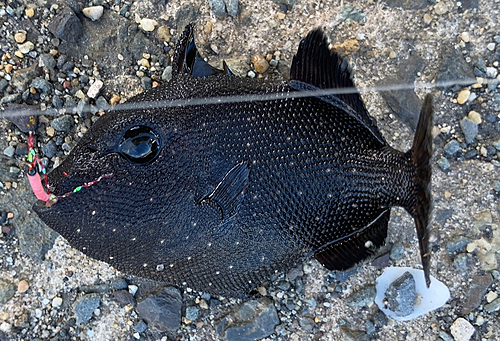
(26, 47)
(491, 46)
(95, 88)
(491, 72)
(57, 302)
(93, 13)
(461, 329)
(148, 25)
(430, 298)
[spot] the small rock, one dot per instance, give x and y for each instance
(192, 313)
(148, 25)
(23, 286)
(401, 295)
(260, 63)
(491, 296)
(351, 13)
(20, 37)
(491, 72)
(9, 151)
(162, 312)
(63, 123)
(476, 291)
(493, 306)
(451, 148)
(469, 128)
(462, 330)
(427, 19)
(441, 8)
(397, 251)
(49, 149)
(231, 7)
(7, 291)
(443, 164)
(491, 46)
(30, 12)
(347, 47)
(66, 26)
(163, 33)
(140, 327)
(475, 117)
(465, 37)
(57, 302)
(218, 7)
(463, 96)
(26, 47)
(85, 306)
(95, 88)
(167, 74)
(93, 13)
(363, 297)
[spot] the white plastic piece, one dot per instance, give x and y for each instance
(428, 299)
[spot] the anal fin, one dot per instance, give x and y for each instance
(345, 253)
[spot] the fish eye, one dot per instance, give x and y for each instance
(140, 145)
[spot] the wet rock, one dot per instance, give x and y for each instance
(451, 148)
(404, 103)
(253, 320)
(454, 67)
(469, 128)
(167, 74)
(123, 297)
(85, 306)
(63, 123)
(162, 312)
(462, 330)
(401, 295)
(363, 297)
(7, 291)
(476, 292)
(66, 26)
(146, 83)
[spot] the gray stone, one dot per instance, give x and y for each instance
(192, 312)
(47, 62)
(470, 154)
(476, 291)
(306, 323)
(22, 77)
(146, 83)
(231, 7)
(7, 291)
(123, 297)
(493, 306)
(443, 164)
(445, 337)
(460, 262)
(451, 148)
(397, 251)
(351, 13)
(119, 284)
(401, 295)
(57, 102)
(162, 312)
(167, 74)
(66, 26)
(3, 85)
(11, 98)
(9, 151)
(22, 149)
(42, 85)
(218, 8)
(363, 297)
(63, 123)
(101, 103)
(85, 306)
(140, 327)
(457, 244)
(469, 128)
(454, 67)
(253, 320)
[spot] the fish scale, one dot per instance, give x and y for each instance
(236, 192)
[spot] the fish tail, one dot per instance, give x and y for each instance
(421, 153)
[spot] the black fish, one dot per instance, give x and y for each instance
(218, 197)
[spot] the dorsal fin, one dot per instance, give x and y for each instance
(187, 59)
(321, 67)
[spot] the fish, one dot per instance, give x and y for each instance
(221, 196)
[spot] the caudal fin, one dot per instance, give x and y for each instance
(421, 153)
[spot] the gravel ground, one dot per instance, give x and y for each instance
(52, 63)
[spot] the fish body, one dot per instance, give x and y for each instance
(218, 197)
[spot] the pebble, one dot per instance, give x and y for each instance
(26, 47)
(465, 37)
(85, 306)
(23, 286)
(491, 46)
(93, 12)
(49, 149)
(148, 25)
(260, 63)
(50, 131)
(63, 123)
(140, 327)
(401, 295)
(451, 148)
(491, 296)
(218, 8)
(441, 8)
(347, 47)
(9, 151)
(493, 306)
(95, 88)
(162, 312)
(462, 330)
(443, 164)
(163, 33)
(363, 297)
(57, 302)
(66, 26)
(469, 128)
(475, 117)
(30, 12)
(20, 37)
(491, 72)
(167, 74)
(427, 19)
(397, 251)
(192, 313)
(463, 96)
(123, 297)
(253, 320)
(7, 291)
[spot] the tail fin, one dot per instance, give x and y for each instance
(421, 153)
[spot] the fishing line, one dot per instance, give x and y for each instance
(167, 103)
